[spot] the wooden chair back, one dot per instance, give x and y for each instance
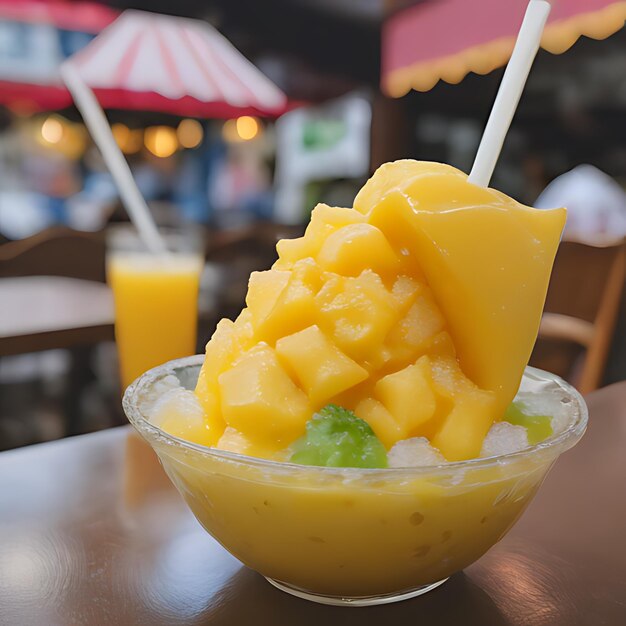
(56, 251)
(581, 311)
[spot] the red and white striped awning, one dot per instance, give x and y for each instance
(162, 63)
(447, 39)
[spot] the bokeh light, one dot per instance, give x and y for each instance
(121, 133)
(247, 127)
(190, 133)
(243, 128)
(52, 130)
(161, 141)
(129, 140)
(135, 141)
(59, 135)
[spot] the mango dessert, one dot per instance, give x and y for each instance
(417, 310)
(344, 435)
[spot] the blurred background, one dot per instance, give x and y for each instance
(242, 181)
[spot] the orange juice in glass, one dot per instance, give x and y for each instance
(156, 300)
(156, 311)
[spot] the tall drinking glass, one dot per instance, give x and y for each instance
(156, 315)
(156, 299)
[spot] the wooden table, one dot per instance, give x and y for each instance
(47, 312)
(74, 549)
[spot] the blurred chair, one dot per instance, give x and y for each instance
(61, 252)
(581, 311)
(56, 251)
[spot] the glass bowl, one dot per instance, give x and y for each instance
(356, 536)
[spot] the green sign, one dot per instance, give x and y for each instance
(322, 134)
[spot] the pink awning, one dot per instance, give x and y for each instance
(176, 65)
(447, 39)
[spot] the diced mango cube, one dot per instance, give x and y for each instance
(197, 433)
(448, 379)
(357, 312)
(207, 392)
(321, 368)
(259, 399)
(295, 307)
(180, 413)
(408, 395)
(382, 422)
(308, 272)
(226, 344)
(324, 220)
(264, 288)
(334, 216)
(234, 441)
(405, 289)
(354, 248)
(393, 215)
(292, 250)
(462, 431)
(409, 338)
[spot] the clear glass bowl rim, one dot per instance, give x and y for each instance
(553, 445)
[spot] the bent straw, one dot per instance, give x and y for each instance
(99, 128)
(510, 91)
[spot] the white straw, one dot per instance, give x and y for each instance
(510, 91)
(98, 126)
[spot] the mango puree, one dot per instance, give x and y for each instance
(353, 534)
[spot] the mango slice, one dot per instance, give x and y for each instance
(486, 258)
